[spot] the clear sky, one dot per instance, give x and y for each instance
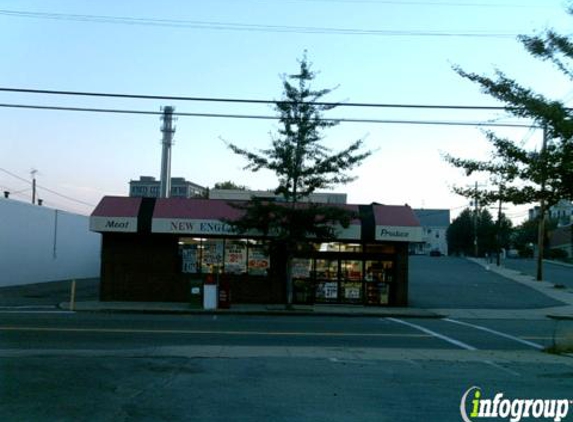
(240, 49)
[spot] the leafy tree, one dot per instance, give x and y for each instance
(302, 164)
(528, 176)
(229, 185)
(525, 235)
(460, 234)
(490, 235)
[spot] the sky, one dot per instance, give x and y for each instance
(371, 51)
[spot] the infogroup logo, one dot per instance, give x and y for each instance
(474, 407)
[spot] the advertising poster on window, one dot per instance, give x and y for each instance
(212, 254)
(327, 290)
(189, 257)
(259, 261)
(301, 268)
(235, 257)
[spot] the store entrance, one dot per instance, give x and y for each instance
(328, 279)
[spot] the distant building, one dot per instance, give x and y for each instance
(562, 211)
(148, 187)
(435, 223)
(245, 195)
(562, 238)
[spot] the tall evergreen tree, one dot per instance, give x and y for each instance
(303, 165)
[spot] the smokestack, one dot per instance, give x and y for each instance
(168, 130)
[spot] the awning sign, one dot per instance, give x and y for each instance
(191, 226)
(399, 234)
(113, 224)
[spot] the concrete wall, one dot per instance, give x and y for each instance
(40, 244)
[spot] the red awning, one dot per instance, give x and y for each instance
(396, 223)
(116, 214)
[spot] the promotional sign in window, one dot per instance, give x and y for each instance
(327, 290)
(301, 268)
(235, 257)
(212, 254)
(190, 257)
(259, 261)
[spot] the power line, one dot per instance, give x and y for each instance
(429, 3)
(243, 100)
(263, 117)
(233, 26)
(46, 189)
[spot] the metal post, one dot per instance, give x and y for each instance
(33, 172)
(541, 227)
(476, 222)
(168, 130)
(73, 296)
(498, 237)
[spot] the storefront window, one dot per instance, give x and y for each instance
(351, 284)
(212, 255)
(258, 261)
(379, 277)
(350, 247)
(190, 250)
(302, 281)
(327, 247)
(301, 268)
(235, 257)
(380, 249)
(326, 280)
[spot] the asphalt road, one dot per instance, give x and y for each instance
(554, 273)
(457, 283)
(100, 367)
(65, 331)
(65, 366)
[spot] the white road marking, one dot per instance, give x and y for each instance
(434, 334)
(497, 333)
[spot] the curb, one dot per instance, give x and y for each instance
(409, 313)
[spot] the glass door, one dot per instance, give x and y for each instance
(327, 285)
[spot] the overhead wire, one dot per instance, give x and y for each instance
(69, 198)
(263, 117)
(244, 100)
(234, 26)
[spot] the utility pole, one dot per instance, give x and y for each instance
(168, 130)
(541, 227)
(33, 173)
(476, 221)
(498, 237)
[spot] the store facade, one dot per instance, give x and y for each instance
(159, 249)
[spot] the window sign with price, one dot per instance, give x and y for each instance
(235, 257)
(189, 259)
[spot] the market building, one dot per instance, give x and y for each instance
(163, 249)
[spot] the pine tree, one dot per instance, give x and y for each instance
(303, 165)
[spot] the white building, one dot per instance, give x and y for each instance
(148, 187)
(435, 223)
(40, 244)
(562, 211)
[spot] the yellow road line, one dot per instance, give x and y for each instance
(216, 332)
